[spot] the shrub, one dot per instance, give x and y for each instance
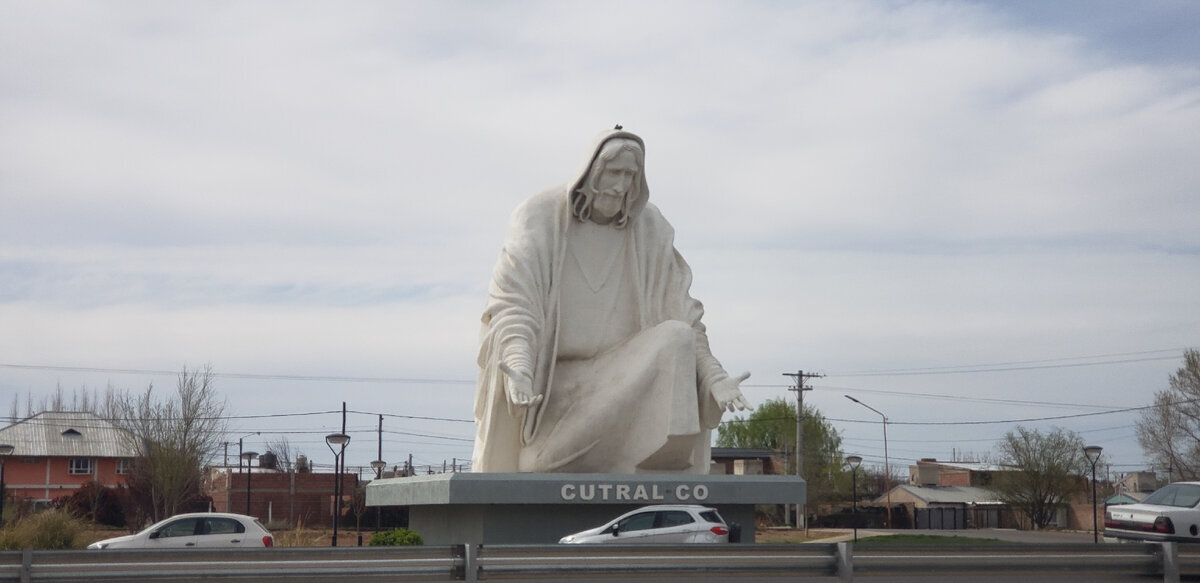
(96, 503)
(53, 529)
(395, 537)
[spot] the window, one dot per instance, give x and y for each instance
(676, 518)
(222, 526)
(124, 466)
(80, 466)
(182, 527)
(712, 516)
(72, 433)
(641, 521)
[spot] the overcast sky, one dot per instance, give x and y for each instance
(310, 196)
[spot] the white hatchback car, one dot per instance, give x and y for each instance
(1171, 513)
(681, 523)
(195, 531)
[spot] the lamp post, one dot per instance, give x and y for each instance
(337, 444)
(5, 451)
(249, 457)
(887, 470)
(1093, 455)
(853, 461)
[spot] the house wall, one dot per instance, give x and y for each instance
(951, 477)
(47, 478)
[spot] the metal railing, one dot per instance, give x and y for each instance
(552, 562)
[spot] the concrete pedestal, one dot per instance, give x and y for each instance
(541, 508)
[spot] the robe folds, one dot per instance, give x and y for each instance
(642, 406)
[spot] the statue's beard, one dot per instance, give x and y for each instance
(607, 204)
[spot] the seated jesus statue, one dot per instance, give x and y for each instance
(593, 358)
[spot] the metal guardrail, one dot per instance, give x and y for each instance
(282, 565)
(553, 562)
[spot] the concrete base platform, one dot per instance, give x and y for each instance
(541, 508)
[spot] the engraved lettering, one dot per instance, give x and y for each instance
(587, 491)
(568, 492)
(640, 493)
(622, 491)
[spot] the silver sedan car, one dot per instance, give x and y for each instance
(673, 523)
(1171, 513)
(197, 530)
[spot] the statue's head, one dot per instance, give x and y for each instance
(612, 183)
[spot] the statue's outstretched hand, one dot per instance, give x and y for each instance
(728, 395)
(519, 388)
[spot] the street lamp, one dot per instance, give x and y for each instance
(5, 451)
(249, 457)
(887, 470)
(1093, 455)
(853, 461)
(338, 441)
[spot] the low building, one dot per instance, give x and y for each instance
(55, 452)
(930, 472)
(273, 496)
(744, 461)
(950, 507)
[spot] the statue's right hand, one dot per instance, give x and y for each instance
(519, 388)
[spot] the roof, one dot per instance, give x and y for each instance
(1125, 498)
(67, 434)
(972, 466)
(948, 494)
(741, 453)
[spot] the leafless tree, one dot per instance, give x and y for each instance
(284, 456)
(1169, 431)
(1049, 467)
(175, 436)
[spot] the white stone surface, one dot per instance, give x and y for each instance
(593, 357)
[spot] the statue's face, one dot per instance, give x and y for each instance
(615, 181)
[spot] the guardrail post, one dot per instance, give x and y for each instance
(845, 562)
(26, 565)
(1170, 559)
(470, 563)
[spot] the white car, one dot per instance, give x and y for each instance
(1172, 513)
(681, 523)
(195, 531)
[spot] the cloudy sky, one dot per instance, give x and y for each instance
(968, 215)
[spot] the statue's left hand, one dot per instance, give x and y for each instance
(728, 395)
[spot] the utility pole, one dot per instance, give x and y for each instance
(801, 378)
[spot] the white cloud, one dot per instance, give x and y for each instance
(303, 189)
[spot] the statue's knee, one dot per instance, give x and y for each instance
(677, 335)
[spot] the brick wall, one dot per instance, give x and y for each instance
(291, 498)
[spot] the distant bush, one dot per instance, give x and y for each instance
(53, 529)
(396, 537)
(96, 503)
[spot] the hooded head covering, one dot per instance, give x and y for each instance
(580, 201)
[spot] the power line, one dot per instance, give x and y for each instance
(243, 376)
(1016, 365)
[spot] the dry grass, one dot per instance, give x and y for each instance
(790, 535)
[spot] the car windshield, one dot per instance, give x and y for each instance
(1181, 495)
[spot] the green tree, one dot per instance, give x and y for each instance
(1169, 432)
(773, 426)
(1047, 471)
